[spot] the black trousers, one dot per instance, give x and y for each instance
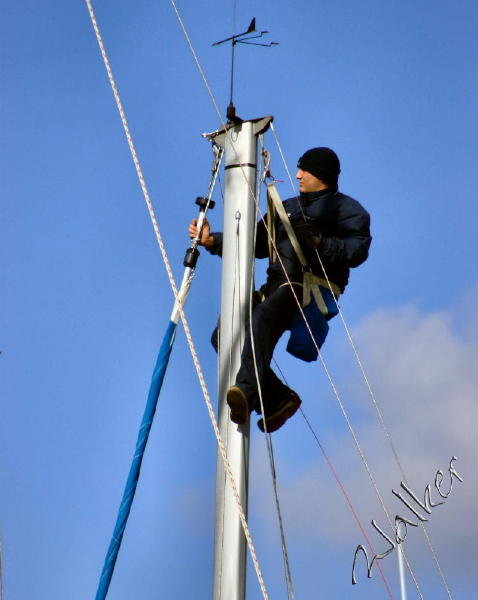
(270, 319)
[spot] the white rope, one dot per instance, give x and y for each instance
(202, 382)
(198, 64)
(270, 450)
(261, 215)
(345, 494)
(389, 439)
(283, 268)
(335, 391)
(370, 390)
(289, 176)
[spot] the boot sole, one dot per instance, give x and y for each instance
(277, 419)
(237, 402)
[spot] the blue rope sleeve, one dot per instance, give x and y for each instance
(132, 481)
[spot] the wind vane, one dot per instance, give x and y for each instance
(242, 38)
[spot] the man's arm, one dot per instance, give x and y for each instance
(350, 247)
(211, 241)
(343, 243)
(262, 239)
(206, 239)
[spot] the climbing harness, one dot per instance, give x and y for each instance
(318, 297)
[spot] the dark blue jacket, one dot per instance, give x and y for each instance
(344, 226)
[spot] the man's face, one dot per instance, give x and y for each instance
(309, 182)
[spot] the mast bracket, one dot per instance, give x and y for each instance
(260, 125)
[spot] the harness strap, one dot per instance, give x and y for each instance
(311, 283)
(274, 195)
(271, 240)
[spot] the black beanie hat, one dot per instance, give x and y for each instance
(323, 163)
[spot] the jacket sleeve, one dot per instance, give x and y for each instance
(216, 247)
(262, 247)
(351, 244)
(262, 243)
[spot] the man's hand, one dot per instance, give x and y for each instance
(206, 239)
(307, 233)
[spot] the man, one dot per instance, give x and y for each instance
(329, 225)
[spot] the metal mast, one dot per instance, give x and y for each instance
(240, 143)
(401, 571)
(239, 139)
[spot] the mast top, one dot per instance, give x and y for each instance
(241, 38)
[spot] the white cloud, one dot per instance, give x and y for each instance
(426, 376)
(422, 368)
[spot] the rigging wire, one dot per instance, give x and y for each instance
(234, 7)
(342, 487)
(198, 64)
(287, 570)
(388, 435)
(1, 570)
(343, 409)
(270, 450)
(237, 279)
(348, 500)
(297, 301)
(334, 389)
(376, 406)
(253, 195)
(183, 316)
(339, 401)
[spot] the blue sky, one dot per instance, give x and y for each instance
(393, 88)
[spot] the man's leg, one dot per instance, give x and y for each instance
(269, 321)
(273, 391)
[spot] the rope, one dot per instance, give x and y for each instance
(288, 172)
(347, 500)
(233, 311)
(202, 73)
(336, 394)
(198, 64)
(352, 431)
(388, 435)
(1, 570)
(253, 195)
(345, 494)
(287, 571)
(372, 395)
(270, 450)
(200, 375)
(341, 405)
(288, 279)
(285, 556)
(287, 169)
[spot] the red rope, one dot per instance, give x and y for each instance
(349, 503)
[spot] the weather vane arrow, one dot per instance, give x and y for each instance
(242, 38)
